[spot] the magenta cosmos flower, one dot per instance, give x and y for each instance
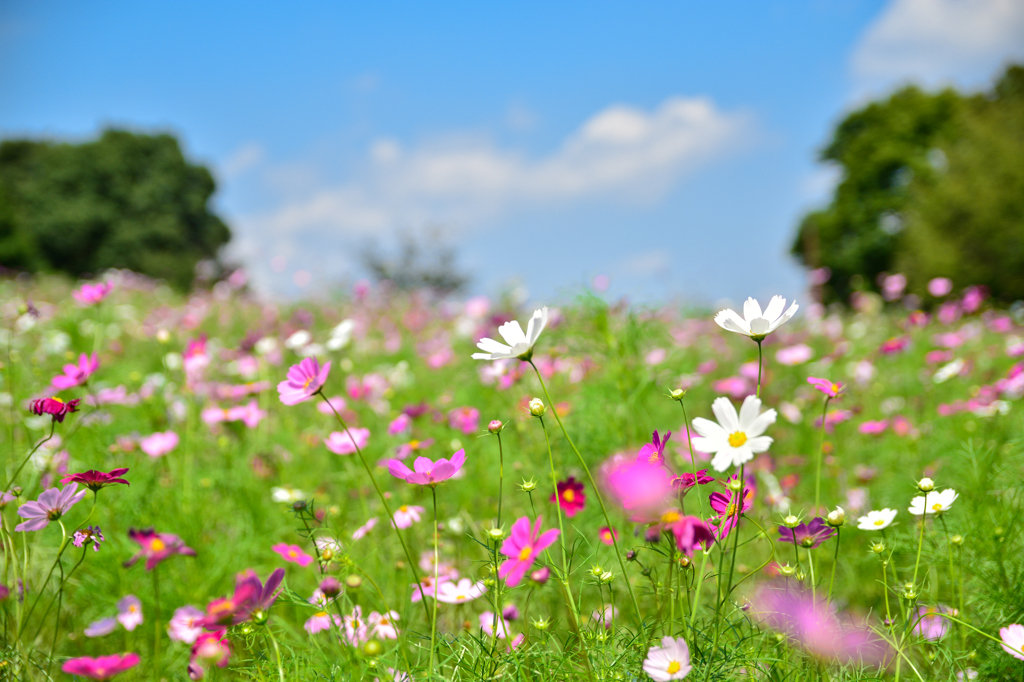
(654, 452)
(54, 407)
(830, 388)
(692, 533)
(342, 443)
(726, 508)
(522, 547)
(102, 668)
(159, 444)
(427, 472)
(807, 535)
(304, 380)
(293, 553)
(91, 294)
(76, 375)
(156, 547)
(97, 480)
(252, 599)
(51, 505)
(571, 497)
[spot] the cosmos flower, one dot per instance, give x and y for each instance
(382, 625)
(185, 625)
(406, 515)
(159, 444)
(76, 375)
(877, 520)
(607, 535)
(460, 592)
(91, 294)
(293, 553)
(304, 380)
(51, 505)
(692, 533)
(1013, 640)
(522, 547)
(520, 345)
(342, 443)
(55, 407)
(571, 497)
(930, 624)
(427, 472)
(725, 506)
(639, 487)
(156, 547)
(487, 622)
(102, 668)
(754, 323)
(101, 628)
(830, 388)
(654, 452)
(406, 449)
(684, 482)
(364, 529)
(83, 536)
(129, 612)
(209, 647)
(465, 419)
(735, 439)
(931, 503)
(807, 535)
(670, 661)
(97, 480)
(357, 629)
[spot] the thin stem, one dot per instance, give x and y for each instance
(501, 475)
(157, 661)
(814, 584)
(277, 652)
(821, 449)
(885, 585)
(735, 546)
(835, 560)
(561, 528)
(597, 494)
(60, 552)
(693, 460)
(21, 466)
(433, 618)
(758, 367)
(920, 544)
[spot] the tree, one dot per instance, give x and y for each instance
(122, 201)
(931, 187)
(422, 264)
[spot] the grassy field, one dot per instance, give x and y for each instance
(931, 395)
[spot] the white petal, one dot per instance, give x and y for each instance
(731, 321)
(708, 444)
(725, 413)
(743, 453)
(761, 424)
(722, 461)
(788, 314)
(751, 309)
(709, 429)
(759, 444)
(492, 346)
(512, 333)
(536, 325)
(774, 309)
(748, 413)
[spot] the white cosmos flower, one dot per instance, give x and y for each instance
(754, 323)
(735, 439)
(877, 520)
(670, 661)
(933, 502)
(457, 593)
(520, 345)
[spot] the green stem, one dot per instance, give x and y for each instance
(758, 341)
(597, 494)
(277, 652)
(738, 496)
(21, 466)
(821, 449)
(885, 585)
(501, 475)
(920, 544)
(60, 552)
(835, 560)
(693, 460)
(433, 618)
(814, 584)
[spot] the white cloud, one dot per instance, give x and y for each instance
(654, 262)
(936, 41)
(242, 159)
(621, 152)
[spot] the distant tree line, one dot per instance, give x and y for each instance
(124, 200)
(932, 185)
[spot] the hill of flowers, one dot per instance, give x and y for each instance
(389, 486)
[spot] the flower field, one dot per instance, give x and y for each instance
(387, 486)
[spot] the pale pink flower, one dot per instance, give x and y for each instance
(873, 428)
(341, 443)
(184, 625)
(304, 380)
(91, 294)
(364, 529)
(356, 628)
(76, 375)
(794, 355)
(383, 625)
(427, 472)
(670, 661)
(337, 402)
(940, 286)
(400, 424)
(1013, 640)
(51, 505)
(487, 620)
(458, 593)
(159, 443)
(406, 515)
(129, 612)
(465, 419)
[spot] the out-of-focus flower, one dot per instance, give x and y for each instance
(670, 661)
(654, 452)
(129, 612)
(364, 529)
(101, 628)
(286, 494)
(522, 547)
(729, 508)
(97, 480)
(873, 428)
(209, 647)
(348, 441)
(54, 407)
(76, 375)
(91, 294)
(1013, 640)
(754, 323)
(427, 472)
(465, 419)
(807, 535)
(830, 388)
(356, 628)
(399, 424)
(84, 536)
(607, 535)
(185, 625)
(304, 380)
(940, 286)
(462, 591)
(895, 345)
(406, 515)
(571, 497)
(159, 444)
(814, 625)
(735, 439)
(293, 553)
(51, 505)
(794, 355)
(487, 621)
(692, 533)
(685, 482)
(931, 625)
(101, 668)
(156, 547)
(383, 624)
(638, 486)
(933, 502)
(833, 417)
(520, 345)
(406, 449)
(877, 520)
(332, 405)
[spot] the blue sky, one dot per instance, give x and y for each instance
(668, 145)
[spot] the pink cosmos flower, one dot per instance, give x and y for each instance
(341, 443)
(427, 472)
(426, 587)
(320, 621)
(670, 661)
(382, 625)
(654, 452)
(487, 623)
(607, 535)
(794, 355)
(249, 414)
(251, 597)
(102, 668)
(357, 630)
(541, 575)
(807, 535)
(91, 294)
(185, 625)
(895, 345)
(725, 505)
(465, 419)
(209, 647)
(54, 407)
(458, 593)
(685, 482)
(156, 547)
(1013, 640)
(129, 612)
(400, 424)
(874, 428)
(304, 380)
(833, 417)
(97, 480)
(522, 547)
(406, 449)
(364, 529)
(159, 444)
(76, 375)
(337, 402)
(931, 625)
(571, 497)
(940, 286)
(406, 515)
(829, 388)
(692, 533)
(101, 628)
(637, 486)
(293, 553)
(51, 505)
(84, 536)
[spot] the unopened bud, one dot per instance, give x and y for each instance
(354, 581)
(878, 547)
(677, 394)
(330, 587)
(495, 426)
(787, 570)
(596, 571)
(734, 484)
(496, 533)
(528, 486)
(791, 521)
(684, 560)
(537, 408)
(541, 575)
(607, 577)
(541, 624)
(373, 648)
(837, 517)
(631, 555)
(489, 582)
(926, 485)
(957, 540)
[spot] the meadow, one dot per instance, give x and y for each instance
(632, 493)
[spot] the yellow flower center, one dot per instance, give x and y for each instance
(670, 516)
(879, 522)
(835, 388)
(292, 554)
(653, 458)
(308, 382)
(460, 597)
(322, 614)
(937, 506)
(730, 510)
(132, 608)
(737, 439)
(403, 509)
(568, 495)
(414, 444)
(157, 545)
(525, 553)
(674, 667)
(57, 399)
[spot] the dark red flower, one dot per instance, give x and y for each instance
(684, 482)
(156, 547)
(97, 480)
(571, 497)
(54, 406)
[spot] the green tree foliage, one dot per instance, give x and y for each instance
(122, 201)
(931, 186)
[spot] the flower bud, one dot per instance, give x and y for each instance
(541, 575)
(926, 485)
(734, 484)
(837, 517)
(528, 486)
(354, 581)
(606, 577)
(489, 582)
(495, 426)
(541, 624)
(787, 570)
(956, 540)
(878, 547)
(684, 560)
(496, 534)
(373, 648)
(537, 408)
(676, 394)
(330, 587)
(631, 555)
(791, 521)
(596, 571)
